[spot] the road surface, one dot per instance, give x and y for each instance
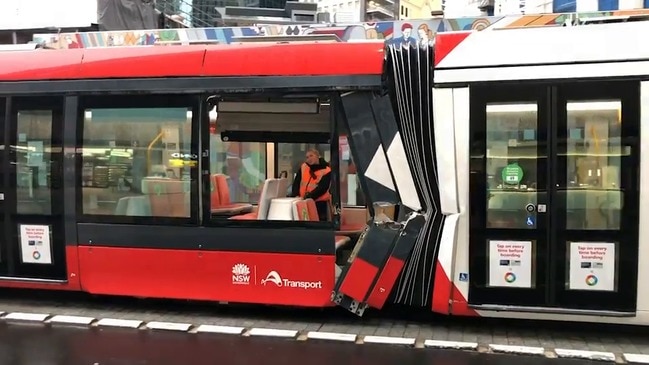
(22, 344)
(553, 340)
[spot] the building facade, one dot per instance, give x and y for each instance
(209, 13)
(345, 11)
(349, 11)
(419, 9)
(22, 19)
(340, 11)
(511, 7)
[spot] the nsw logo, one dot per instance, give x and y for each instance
(241, 274)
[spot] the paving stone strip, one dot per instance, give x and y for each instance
(500, 339)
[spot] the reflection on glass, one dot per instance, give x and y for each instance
(512, 155)
(593, 158)
(137, 162)
(244, 164)
(34, 155)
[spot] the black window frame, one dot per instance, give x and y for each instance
(223, 221)
(54, 104)
(125, 101)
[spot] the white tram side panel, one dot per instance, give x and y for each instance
(461, 273)
(451, 121)
(603, 51)
(643, 250)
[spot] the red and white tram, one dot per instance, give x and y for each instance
(499, 174)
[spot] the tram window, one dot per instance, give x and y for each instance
(137, 162)
(33, 162)
(256, 148)
(593, 162)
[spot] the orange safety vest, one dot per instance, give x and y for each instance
(308, 183)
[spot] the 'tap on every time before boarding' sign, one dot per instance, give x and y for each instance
(592, 266)
(35, 244)
(510, 264)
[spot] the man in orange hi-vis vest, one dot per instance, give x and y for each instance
(312, 181)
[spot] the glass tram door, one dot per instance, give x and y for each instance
(595, 206)
(509, 197)
(31, 194)
(554, 197)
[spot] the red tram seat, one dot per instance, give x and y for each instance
(220, 198)
(248, 216)
(305, 210)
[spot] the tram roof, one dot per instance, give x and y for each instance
(514, 40)
(246, 59)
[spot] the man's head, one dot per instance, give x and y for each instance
(406, 30)
(312, 157)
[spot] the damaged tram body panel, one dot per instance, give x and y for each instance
(391, 139)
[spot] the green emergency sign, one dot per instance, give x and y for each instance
(512, 174)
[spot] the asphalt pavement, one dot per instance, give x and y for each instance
(22, 344)
(553, 340)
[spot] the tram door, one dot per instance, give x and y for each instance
(555, 197)
(32, 245)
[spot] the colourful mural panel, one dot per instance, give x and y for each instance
(406, 31)
(402, 31)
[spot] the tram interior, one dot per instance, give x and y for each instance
(137, 163)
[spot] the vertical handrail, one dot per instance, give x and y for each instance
(148, 152)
